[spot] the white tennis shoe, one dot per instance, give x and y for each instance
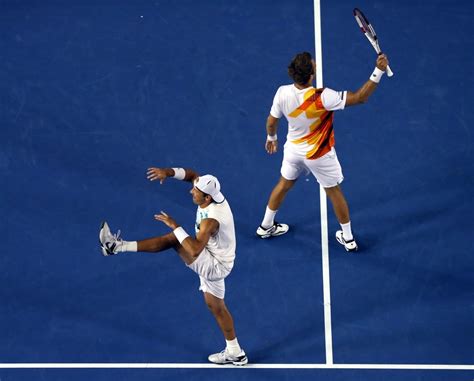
(109, 243)
(224, 357)
(350, 245)
(273, 231)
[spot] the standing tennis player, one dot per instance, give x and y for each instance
(310, 142)
(210, 254)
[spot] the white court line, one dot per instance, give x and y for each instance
(322, 200)
(248, 366)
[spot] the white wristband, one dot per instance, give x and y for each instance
(180, 234)
(272, 138)
(376, 75)
(179, 173)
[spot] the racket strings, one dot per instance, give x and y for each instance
(365, 27)
(363, 22)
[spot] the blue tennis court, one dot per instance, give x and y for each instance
(94, 93)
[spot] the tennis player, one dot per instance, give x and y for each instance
(310, 141)
(210, 253)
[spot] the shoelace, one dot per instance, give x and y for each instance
(224, 354)
(117, 236)
(275, 226)
(272, 228)
(113, 244)
(228, 355)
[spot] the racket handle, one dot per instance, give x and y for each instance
(379, 52)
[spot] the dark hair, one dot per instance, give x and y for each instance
(301, 68)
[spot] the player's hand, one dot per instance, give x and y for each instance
(167, 220)
(382, 62)
(157, 174)
(271, 146)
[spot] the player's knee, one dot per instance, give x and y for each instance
(333, 190)
(285, 185)
(215, 308)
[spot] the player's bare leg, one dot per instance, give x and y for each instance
(341, 210)
(279, 193)
(222, 315)
(268, 227)
(233, 353)
(157, 244)
(339, 204)
(185, 256)
(165, 242)
(112, 244)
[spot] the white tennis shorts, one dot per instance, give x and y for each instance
(326, 169)
(211, 273)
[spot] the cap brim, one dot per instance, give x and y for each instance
(218, 198)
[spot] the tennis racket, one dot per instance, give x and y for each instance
(369, 32)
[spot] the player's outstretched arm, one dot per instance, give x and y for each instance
(162, 174)
(363, 94)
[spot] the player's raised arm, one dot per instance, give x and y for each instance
(363, 94)
(271, 145)
(162, 174)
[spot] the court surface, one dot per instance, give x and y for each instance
(93, 93)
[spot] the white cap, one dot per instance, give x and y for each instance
(210, 185)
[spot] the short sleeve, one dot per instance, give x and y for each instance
(276, 108)
(333, 100)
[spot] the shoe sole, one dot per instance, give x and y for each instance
(265, 236)
(241, 363)
(236, 363)
(279, 234)
(105, 251)
(351, 250)
(100, 232)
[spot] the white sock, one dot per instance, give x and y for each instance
(347, 231)
(129, 246)
(233, 347)
(269, 218)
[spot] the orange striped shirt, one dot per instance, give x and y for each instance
(321, 133)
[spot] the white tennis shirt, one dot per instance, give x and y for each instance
(303, 115)
(222, 244)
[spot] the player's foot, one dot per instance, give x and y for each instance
(109, 243)
(273, 231)
(225, 357)
(348, 245)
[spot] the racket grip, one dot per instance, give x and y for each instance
(389, 71)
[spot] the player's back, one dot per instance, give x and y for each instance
(288, 102)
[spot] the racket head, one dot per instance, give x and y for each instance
(364, 24)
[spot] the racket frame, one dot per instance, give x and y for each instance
(369, 33)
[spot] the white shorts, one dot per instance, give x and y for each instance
(326, 169)
(211, 274)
